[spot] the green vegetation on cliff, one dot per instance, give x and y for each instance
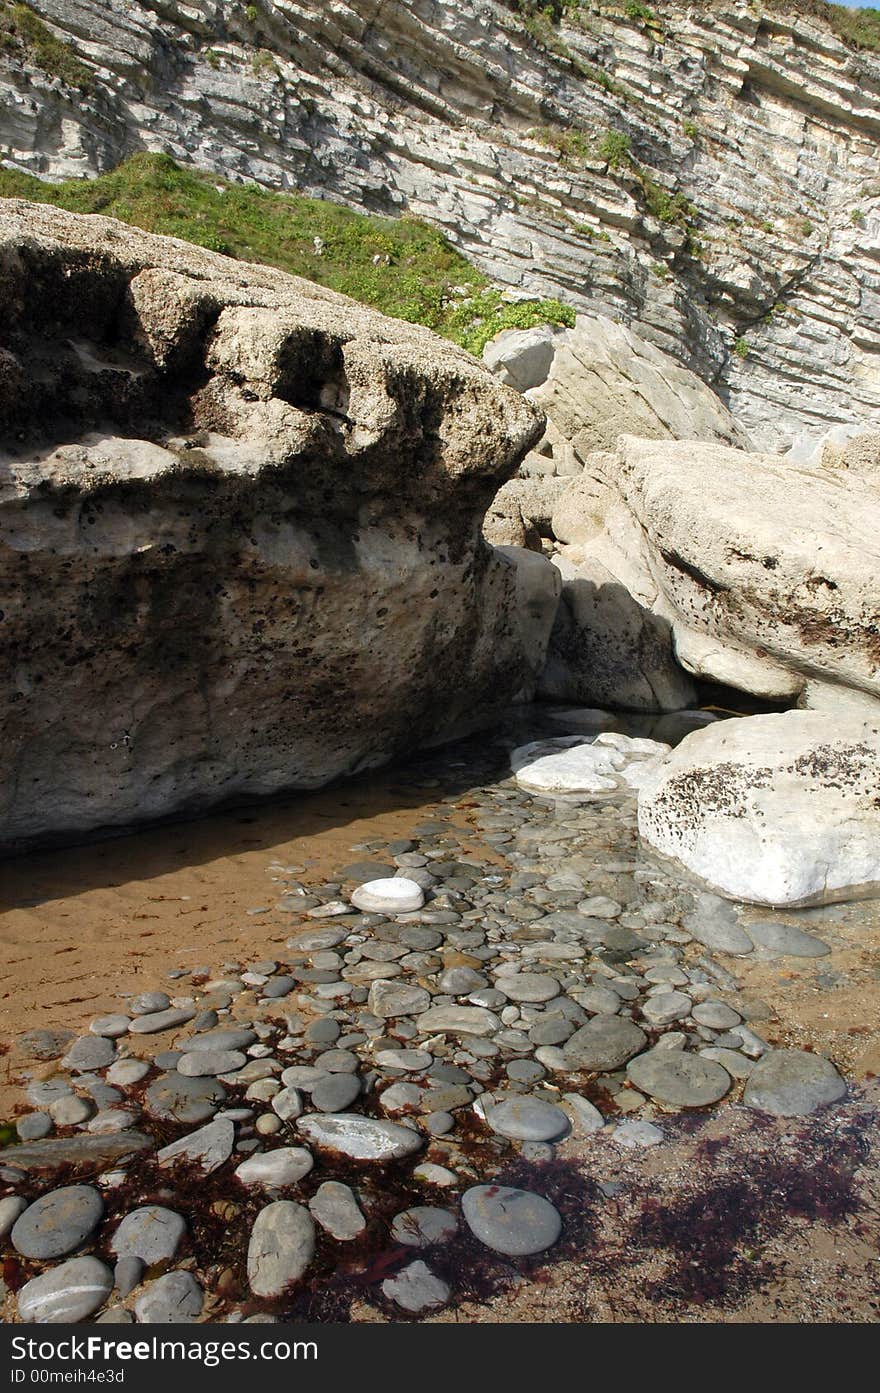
(858, 28)
(23, 35)
(400, 266)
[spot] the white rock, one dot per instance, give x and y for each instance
(393, 895)
(276, 1169)
(775, 810)
(360, 1138)
(575, 765)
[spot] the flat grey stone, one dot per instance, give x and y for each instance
(287, 1104)
(42, 1093)
(714, 923)
(223, 1038)
(10, 1208)
(551, 1030)
(55, 1152)
(416, 1288)
(173, 1299)
(787, 940)
(279, 986)
(70, 1112)
(196, 1064)
(598, 1000)
(302, 1076)
(604, 1043)
(339, 1062)
(401, 1097)
(45, 1044)
(276, 1169)
(57, 1223)
(527, 1119)
(585, 1116)
(110, 1120)
(666, 1007)
(458, 1020)
(409, 1061)
(33, 1126)
(150, 1233)
(528, 986)
(282, 1245)
(716, 1015)
(147, 1003)
(460, 981)
(680, 1079)
(316, 939)
(423, 1226)
(789, 1083)
(390, 998)
(438, 1122)
(175, 1098)
(365, 871)
(112, 1026)
(421, 938)
(325, 1032)
(208, 1147)
(68, 1293)
(128, 1273)
(736, 1064)
(636, 1134)
(525, 1070)
(333, 909)
(600, 907)
(511, 1221)
(89, 1052)
(156, 1021)
(360, 1138)
(336, 1092)
(336, 1209)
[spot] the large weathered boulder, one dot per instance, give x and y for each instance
(239, 529)
(767, 573)
(777, 810)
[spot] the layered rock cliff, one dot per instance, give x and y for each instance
(707, 174)
(239, 530)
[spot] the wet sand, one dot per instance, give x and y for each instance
(80, 925)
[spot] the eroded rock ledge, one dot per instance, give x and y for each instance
(239, 529)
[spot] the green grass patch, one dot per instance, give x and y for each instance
(614, 149)
(401, 266)
(857, 28)
(666, 206)
(574, 147)
(23, 35)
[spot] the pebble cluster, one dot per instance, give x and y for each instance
(434, 1009)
